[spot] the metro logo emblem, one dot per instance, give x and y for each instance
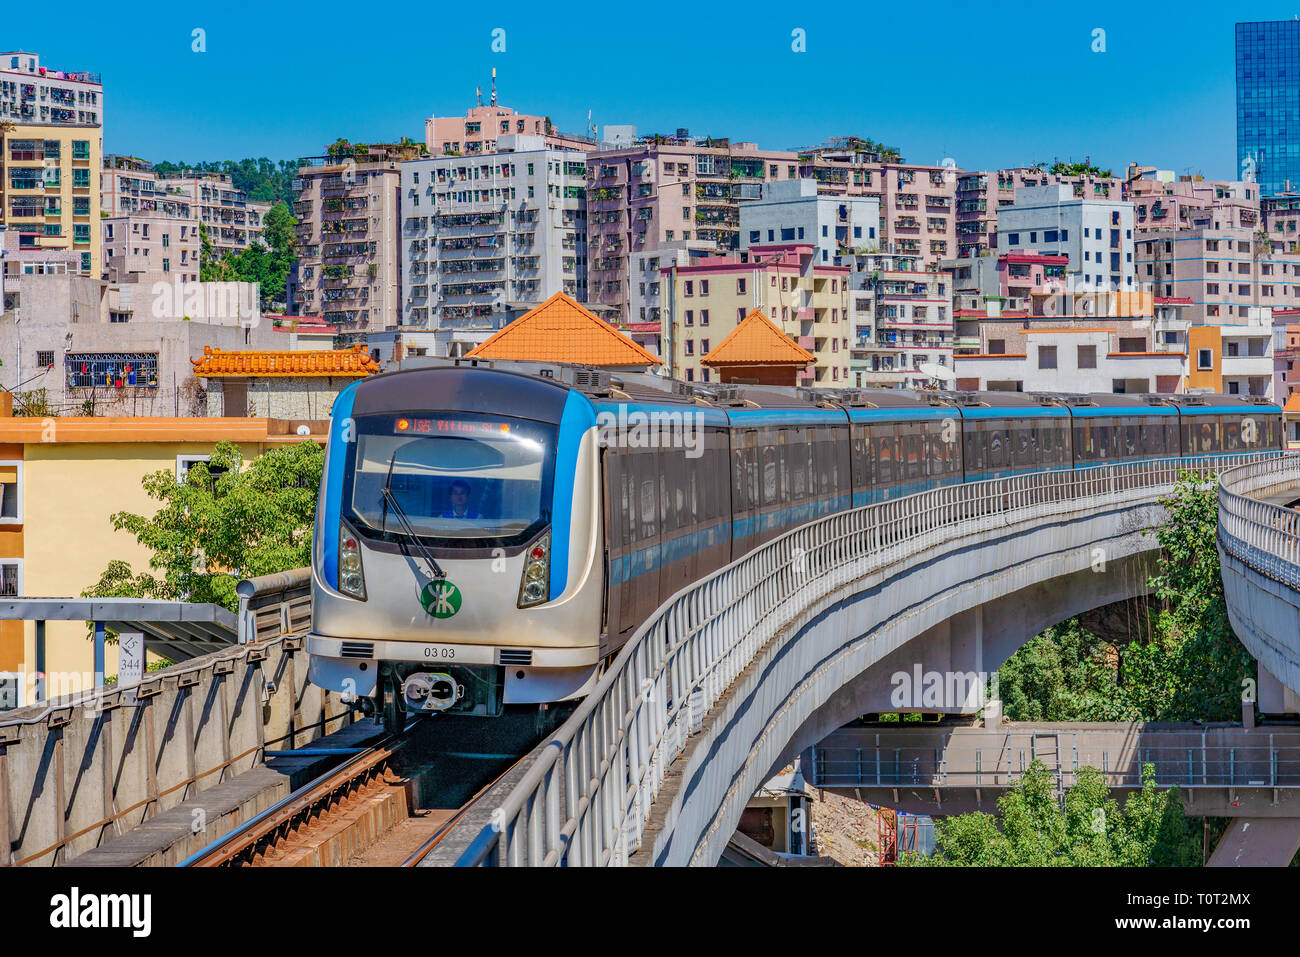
(441, 599)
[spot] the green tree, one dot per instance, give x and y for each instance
(1183, 664)
(226, 520)
(1034, 828)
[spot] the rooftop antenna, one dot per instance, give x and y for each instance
(494, 86)
(478, 94)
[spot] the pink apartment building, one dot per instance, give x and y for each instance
(1193, 204)
(917, 202)
(667, 190)
(476, 132)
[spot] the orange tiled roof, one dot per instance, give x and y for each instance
(326, 362)
(757, 341)
(560, 330)
(1292, 403)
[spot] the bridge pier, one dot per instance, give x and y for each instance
(1257, 842)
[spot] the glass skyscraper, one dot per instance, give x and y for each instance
(1268, 104)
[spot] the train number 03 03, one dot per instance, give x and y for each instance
(433, 651)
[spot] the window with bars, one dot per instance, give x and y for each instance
(9, 585)
(112, 369)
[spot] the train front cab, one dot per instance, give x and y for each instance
(493, 479)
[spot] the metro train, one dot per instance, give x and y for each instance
(489, 536)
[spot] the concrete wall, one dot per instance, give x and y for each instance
(67, 770)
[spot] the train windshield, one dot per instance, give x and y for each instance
(460, 479)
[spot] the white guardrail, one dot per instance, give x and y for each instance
(586, 799)
(1263, 535)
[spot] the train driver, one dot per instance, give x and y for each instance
(459, 495)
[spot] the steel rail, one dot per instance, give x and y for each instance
(246, 836)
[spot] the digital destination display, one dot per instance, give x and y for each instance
(449, 427)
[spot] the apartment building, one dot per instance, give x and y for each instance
(51, 142)
(980, 195)
(128, 185)
(1280, 216)
(234, 222)
(1226, 273)
(809, 302)
(664, 190)
(348, 237)
(489, 237)
(917, 202)
(1163, 205)
(143, 248)
(478, 131)
(649, 293)
(902, 319)
(794, 211)
(1232, 356)
(1095, 235)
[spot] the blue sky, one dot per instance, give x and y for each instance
(988, 84)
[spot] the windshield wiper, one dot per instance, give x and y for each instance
(391, 500)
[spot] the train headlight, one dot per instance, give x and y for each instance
(352, 579)
(535, 585)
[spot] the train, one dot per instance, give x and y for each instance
(490, 534)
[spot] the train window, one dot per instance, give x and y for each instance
(1171, 435)
(1131, 445)
(1231, 435)
(883, 445)
(974, 448)
(1203, 434)
(649, 508)
(769, 474)
(997, 446)
(739, 487)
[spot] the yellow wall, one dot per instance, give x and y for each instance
(65, 191)
(70, 492)
(1204, 337)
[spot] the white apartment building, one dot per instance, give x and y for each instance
(793, 211)
(903, 320)
(1096, 234)
(1076, 358)
(234, 221)
(488, 237)
(128, 186)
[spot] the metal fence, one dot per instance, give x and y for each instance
(999, 766)
(587, 798)
(1263, 535)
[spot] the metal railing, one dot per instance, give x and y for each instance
(1187, 766)
(1264, 536)
(587, 798)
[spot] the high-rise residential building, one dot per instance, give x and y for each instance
(51, 142)
(347, 237)
(902, 321)
(486, 238)
(809, 302)
(663, 190)
(981, 195)
(1096, 235)
(233, 221)
(479, 129)
(917, 202)
(793, 211)
(1268, 96)
(1227, 274)
(129, 185)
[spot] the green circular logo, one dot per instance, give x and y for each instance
(441, 599)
